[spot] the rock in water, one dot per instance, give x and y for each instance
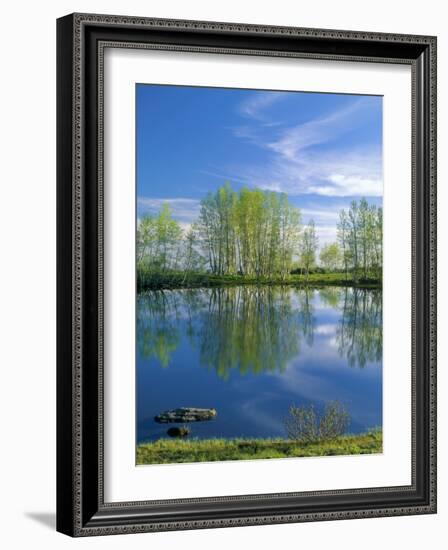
(181, 431)
(186, 414)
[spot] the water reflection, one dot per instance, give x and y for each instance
(251, 352)
(257, 329)
(252, 329)
(157, 327)
(360, 328)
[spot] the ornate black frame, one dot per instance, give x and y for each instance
(81, 39)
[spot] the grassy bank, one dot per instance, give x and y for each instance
(173, 280)
(167, 451)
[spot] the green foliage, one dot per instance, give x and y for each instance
(330, 256)
(193, 260)
(334, 421)
(253, 232)
(305, 424)
(166, 451)
(147, 279)
(308, 247)
(360, 235)
(158, 240)
(255, 235)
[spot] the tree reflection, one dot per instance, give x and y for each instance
(306, 315)
(158, 332)
(360, 329)
(252, 329)
(255, 329)
(331, 296)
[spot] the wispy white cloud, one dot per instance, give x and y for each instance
(317, 131)
(184, 210)
(248, 133)
(227, 176)
(257, 104)
(297, 164)
(346, 184)
(345, 173)
(357, 172)
(326, 234)
(320, 215)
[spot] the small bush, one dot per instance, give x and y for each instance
(306, 425)
(302, 424)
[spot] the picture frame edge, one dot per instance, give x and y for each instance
(76, 515)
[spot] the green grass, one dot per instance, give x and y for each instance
(157, 281)
(166, 451)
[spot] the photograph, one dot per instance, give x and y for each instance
(259, 261)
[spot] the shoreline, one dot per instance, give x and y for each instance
(176, 281)
(168, 451)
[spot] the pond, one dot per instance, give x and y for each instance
(251, 352)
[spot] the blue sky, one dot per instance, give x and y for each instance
(323, 150)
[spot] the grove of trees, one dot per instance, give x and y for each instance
(258, 234)
(252, 232)
(360, 237)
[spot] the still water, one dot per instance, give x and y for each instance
(251, 352)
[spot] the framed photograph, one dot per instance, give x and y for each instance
(246, 274)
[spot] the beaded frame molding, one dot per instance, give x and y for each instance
(81, 40)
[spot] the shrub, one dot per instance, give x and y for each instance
(306, 425)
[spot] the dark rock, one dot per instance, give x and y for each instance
(186, 414)
(181, 431)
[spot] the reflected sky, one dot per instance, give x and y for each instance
(251, 352)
